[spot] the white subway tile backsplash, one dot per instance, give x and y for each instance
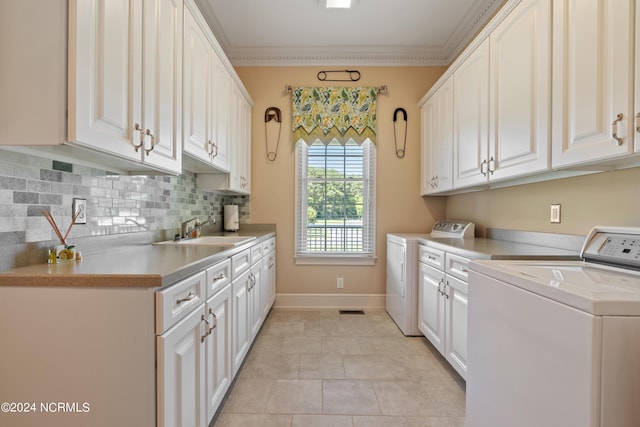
(115, 204)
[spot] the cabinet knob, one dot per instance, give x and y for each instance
(614, 128)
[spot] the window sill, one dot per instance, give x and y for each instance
(334, 260)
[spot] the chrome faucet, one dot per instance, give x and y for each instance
(185, 228)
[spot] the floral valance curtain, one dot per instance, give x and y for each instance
(326, 113)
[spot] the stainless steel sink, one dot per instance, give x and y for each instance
(210, 241)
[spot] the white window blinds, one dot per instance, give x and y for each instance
(335, 200)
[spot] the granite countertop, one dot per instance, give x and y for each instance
(140, 266)
(483, 248)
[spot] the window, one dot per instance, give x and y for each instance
(335, 202)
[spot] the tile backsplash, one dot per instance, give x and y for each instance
(116, 204)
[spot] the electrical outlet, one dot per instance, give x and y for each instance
(80, 208)
(340, 282)
(555, 214)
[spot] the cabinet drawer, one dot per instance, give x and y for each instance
(457, 266)
(218, 276)
(256, 252)
(268, 245)
(432, 257)
(240, 262)
(177, 301)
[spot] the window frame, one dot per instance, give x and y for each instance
(368, 256)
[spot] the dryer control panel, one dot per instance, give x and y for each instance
(614, 246)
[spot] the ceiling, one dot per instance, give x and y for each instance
(372, 32)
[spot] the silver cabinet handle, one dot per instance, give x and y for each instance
(482, 167)
(638, 122)
(139, 129)
(440, 283)
(189, 297)
(464, 269)
(491, 166)
(153, 142)
(220, 276)
(207, 330)
(445, 293)
(214, 321)
(614, 128)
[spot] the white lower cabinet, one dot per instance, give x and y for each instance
(255, 298)
(219, 368)
(268, 276)
(241, 324)
(181, 372)
(202, 344)
(442, 306)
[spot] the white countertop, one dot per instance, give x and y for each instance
(482, 248)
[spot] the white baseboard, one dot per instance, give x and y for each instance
(343, 301)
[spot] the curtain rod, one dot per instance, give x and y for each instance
(381, 89)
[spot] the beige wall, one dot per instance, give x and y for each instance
(399, 205)
(609, 198)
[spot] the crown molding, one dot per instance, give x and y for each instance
(444, 55)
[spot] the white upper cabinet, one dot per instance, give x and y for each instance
(198, 58)
(471, 118)
(519, 85)
(206, 100)
(637, 83)
(240, 150)
(592, 77)
(125, 91)
(437, 140)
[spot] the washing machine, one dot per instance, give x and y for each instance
(402, 271)
(557, 344)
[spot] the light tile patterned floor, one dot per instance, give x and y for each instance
(319, 368)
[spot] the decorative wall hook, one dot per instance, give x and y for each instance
(272, 114)
(353, 76)
(400, 151)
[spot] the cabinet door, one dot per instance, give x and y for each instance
(592, 68)
(471, 119)
(268, 282)
(456, 324)
(198, 57)
(437, 140)
(181, 369)
(240, 149)
(637, 84)
(431, 308)
(255, 298)
(519, 85)
(241, 323)
(162, 94)
(219, 369)
(106, 77)
(220, 114)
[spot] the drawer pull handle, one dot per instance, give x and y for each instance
(189, 297)
(432, 258)
(464, 269)
(220, 276)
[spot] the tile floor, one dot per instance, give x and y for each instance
(319, 368)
